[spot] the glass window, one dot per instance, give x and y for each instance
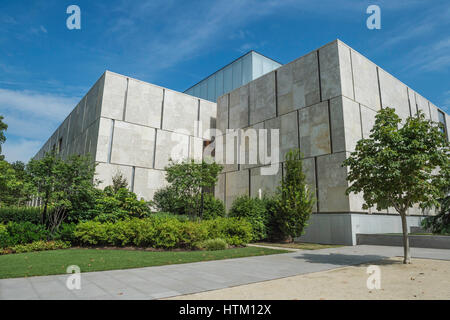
(227, 79)
(219, 84)
(212, 88)
(237, 74)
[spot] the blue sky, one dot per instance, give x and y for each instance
(45, 68)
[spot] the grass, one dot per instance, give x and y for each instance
(298, 245)
(56, 261)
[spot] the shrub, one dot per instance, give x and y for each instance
(254, 211)
(20, 214)
(295, 201)
(91, 233)
(212, 207)
(440, 223)
(235, 231)
(163, 232)
(113, 206)
(189, 178)
(36, 246)
(163, 215)
(4, 236)
(168, 200)
(273, 230)
(213, 244)
(193, 233)
(25, 232)
(66, 233)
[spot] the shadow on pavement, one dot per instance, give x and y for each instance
(340, 259)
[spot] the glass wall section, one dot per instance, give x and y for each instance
(238, 73)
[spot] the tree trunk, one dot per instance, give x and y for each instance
(406, 252)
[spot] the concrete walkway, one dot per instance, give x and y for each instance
(173, 280)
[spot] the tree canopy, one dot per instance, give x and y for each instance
(400, 165)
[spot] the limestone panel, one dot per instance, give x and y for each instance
(196, 148)
(239, 99)
(298, 84)
(63, 134)
(132, 144)
(250, 143)
(105, 171)
(267, 183)
(365, 81)
(314, 130)
(104, 139)
(144, 103)
(422, 105)
(147, 182)
(367, 120)
(309, 168)
(92, 139)
(394, 94)
(180, 112)
(237, 184)
(231, 145)
(114, 95)
(287, 125)
(93, 105)
(412, 102)
(170, 145)
(335, 71)
(208, 112)
(434, 113)
(332, 183)
(262, 98)
(219, 190)
(222, 113)
(76, 120)
(447, 122)
(345, 124)
(345, 70)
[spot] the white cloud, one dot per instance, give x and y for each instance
(431, 57)
(22, 150)
(31, 117)
(42, 105)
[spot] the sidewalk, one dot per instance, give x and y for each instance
(174, 280)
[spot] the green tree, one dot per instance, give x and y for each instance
(399, 166)
(294, 201)
(3, 128)
(188, 180)
(15, 187)
(60, 183)
(119, 181)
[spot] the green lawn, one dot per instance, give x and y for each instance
(56, 261)
(299, 245)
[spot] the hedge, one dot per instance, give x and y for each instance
(36, 246)
(20, 214)
(15, 233)
(163, 232)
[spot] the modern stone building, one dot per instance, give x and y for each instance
(323, 103)
(132, 127)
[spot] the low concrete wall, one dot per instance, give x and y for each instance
(342, 228)
(418, 241)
